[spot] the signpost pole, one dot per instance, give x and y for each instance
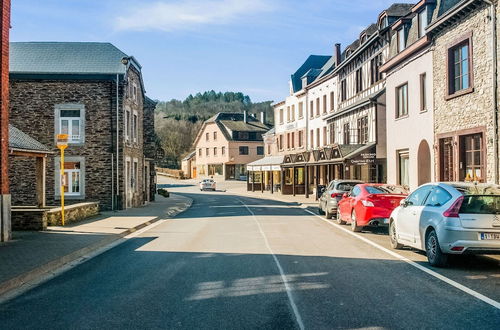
(62, 144)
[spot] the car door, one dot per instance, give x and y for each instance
(409, 214)
(432, 212)
(323, 200)
(356, 191)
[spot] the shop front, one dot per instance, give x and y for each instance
(265, 174)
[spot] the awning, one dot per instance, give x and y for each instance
(269, 163)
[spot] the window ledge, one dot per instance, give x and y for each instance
(459, 93)
(402, 117)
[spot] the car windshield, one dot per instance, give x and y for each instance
(480, 204)
(346, 186)
(386, 189)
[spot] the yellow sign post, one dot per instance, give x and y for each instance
(62, 144)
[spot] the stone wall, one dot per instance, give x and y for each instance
(29, 219)
(23, 180)
(476, 108)
(73, 213)
(33, 111)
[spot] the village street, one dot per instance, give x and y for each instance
(235, 261)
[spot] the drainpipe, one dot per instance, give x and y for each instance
(493, 20)
(117, 138)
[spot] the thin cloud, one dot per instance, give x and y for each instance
(188, 14)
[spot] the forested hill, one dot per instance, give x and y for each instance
(177, 122)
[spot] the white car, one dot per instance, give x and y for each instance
(448, 218)
(207, 184)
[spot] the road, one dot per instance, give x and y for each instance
(240, 262)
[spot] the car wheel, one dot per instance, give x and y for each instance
(394, 237)
(354, 223)
(320, 209)
(328, 214)
(339, 218)
(435, 256)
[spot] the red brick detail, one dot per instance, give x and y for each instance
(4, 96)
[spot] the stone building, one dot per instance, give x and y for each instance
(409, 85)
(226, 143)
(93, 92)
(465, 48)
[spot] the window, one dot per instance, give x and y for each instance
(215, 136)
(446, 161)
(287, 114)
(293, 140)
(375, 74)
(423, 93)
(312, 138)
(403, 165)
(127, 124)
(311, 107)
(422, 22)
(134, 92)
(301, 139)
(301, 109)
(332, 101)
(317, 138)
(471, 162)
(70, 122)
(260, 151)
(402, 101)
(459, 70)
(438, 197)
(363, 130)
(324, 104)
(215, 151)
(347, 133)
(288, 140)
(281, 116)
(199, 152)
(280, 140)
(355, 191)
(343, 90)
(332, 133)
(401, 40)
(268, 149)
(207, 136)
(135, 183)
(359, 80)
(223, 151)
(71, 178)
(417, 198)
(243, 150)
(317, 106)
(206, 152)
(325, 142)
(293, 112)
(134, 128)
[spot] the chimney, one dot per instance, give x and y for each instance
(263, 117)
(337, 55)
(245, 116)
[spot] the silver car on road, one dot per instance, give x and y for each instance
(448, 218)
(333, 194)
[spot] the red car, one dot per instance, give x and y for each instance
(369, 205)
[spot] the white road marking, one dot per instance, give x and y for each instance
(445, 279)
(282, 273)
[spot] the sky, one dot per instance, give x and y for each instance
(190, 46)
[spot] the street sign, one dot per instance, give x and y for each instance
(62, 144)
(62, 141)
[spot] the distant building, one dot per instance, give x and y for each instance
(93, 92)
(227, 142)
(188, 165)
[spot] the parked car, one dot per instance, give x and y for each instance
(448, 218)
(333, 194)
(207, 184)
(369, 205)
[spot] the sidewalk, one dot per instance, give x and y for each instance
(30, 255)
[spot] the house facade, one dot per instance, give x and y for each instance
(410, 99)
(226, 143)
(96, 96)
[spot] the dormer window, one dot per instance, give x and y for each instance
(348, 53)
(422, 22)
(401, 39)
(304, 82)
(384, 22)
(363, 38)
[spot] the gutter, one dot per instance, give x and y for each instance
(494, 44)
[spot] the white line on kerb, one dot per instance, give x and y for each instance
(282, 273)
(445, 279)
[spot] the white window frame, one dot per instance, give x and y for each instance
(135, 174)
(135, 126)
(72, 140)
(57, 177)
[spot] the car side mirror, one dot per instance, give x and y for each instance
(345, 195)
(403, 203)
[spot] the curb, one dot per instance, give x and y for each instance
(49, 268)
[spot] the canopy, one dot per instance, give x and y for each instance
(269, 163)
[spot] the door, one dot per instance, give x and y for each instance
(408, 219)
(447, 164)
(231, 172)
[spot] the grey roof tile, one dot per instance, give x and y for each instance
(22, 141)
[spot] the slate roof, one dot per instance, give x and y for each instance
(19, 140)
(399, 9)
(66, 58)
(190, 155)
(312, 62)
(229, 121)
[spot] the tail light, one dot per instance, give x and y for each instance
(335, 195)
(367, 203)
(452, 212)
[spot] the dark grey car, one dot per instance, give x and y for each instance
(333, 194)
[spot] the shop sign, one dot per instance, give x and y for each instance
(364, 158)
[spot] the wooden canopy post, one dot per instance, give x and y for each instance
(306, 181)
(40, 171)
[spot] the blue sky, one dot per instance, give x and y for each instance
(189, 46)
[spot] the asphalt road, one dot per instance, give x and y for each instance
(236, 262)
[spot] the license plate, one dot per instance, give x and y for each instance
(488, 236)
